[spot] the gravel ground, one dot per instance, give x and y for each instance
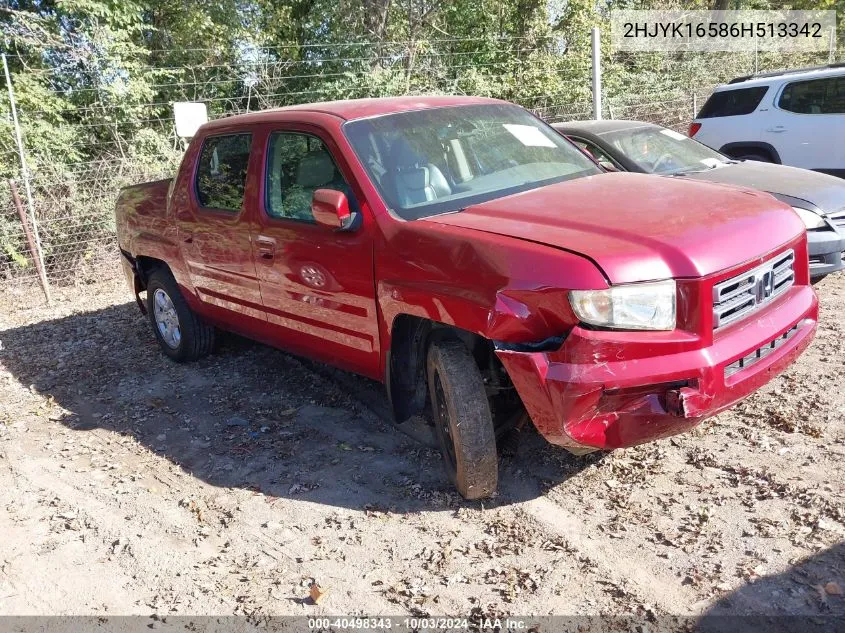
(132, 485)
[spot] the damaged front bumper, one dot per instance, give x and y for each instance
(606, 390)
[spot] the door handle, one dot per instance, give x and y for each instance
(266, 247)
(777, 128)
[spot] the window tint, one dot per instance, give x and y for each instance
(732, 102)
(221, 174)
(298, 165)
(818, 96)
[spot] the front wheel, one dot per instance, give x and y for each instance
(180, 332)
(462, 419)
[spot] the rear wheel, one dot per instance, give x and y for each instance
(462, 419)
(180, 332)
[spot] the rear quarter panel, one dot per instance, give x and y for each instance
(141, 214)
(716, 132)
(145, 228)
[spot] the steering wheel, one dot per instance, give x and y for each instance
(664, 158)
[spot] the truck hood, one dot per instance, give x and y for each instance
(825, 192)
(639, 227)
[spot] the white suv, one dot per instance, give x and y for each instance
(790, 117)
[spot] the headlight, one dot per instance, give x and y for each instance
(646, 306)
(811, 220)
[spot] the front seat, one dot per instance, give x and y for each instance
(315, 170)
(416, 181)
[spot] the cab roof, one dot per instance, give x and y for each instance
(600, 127)
(354, 108)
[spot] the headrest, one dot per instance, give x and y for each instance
(414, 179)
(315, 170)
(403, 156)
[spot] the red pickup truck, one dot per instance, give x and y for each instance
(463, 253)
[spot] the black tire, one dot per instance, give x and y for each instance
(760, 158)
(196, 338)
(462, 420)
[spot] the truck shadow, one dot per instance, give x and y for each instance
(250, 416)
(803, 598)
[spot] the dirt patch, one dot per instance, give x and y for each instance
(131, 484)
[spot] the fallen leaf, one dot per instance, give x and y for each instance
(833, 589)
(316, 592)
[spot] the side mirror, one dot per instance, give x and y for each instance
(607, 165)
(330, 208)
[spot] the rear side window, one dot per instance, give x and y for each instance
(221, 173)
(817, 96)
(732, 102)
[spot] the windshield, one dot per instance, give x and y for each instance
(661, 151)
(444, 159)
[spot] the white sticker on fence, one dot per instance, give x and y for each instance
(189, 116)
(711, 31)
(528, 135)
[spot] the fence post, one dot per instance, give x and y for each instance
(25, 176)
(33, 251)
(596, 41)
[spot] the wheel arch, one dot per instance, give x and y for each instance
(138, 270)
(405, 366)
(146, 266)
(734, 148)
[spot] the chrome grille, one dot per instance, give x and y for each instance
(739, 296)
(838, 219)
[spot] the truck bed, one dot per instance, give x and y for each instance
(142, 210)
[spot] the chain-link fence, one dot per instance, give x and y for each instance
(127, 138)
(672, 109)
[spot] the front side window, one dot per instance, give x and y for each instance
(658, 150)
(598, 154)
(732, 102)
(298, 165)
(818, 96)
(221, 173)
(439, 160)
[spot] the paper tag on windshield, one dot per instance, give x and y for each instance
(528, 135)
(673, 134)
(711, 162)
